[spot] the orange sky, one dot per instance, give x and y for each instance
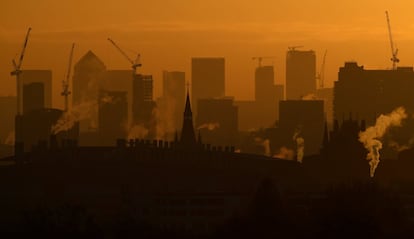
(168, 33)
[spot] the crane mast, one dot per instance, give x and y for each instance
(17, 71)
(134, 64)
(394, 51)
(65, 83)
(321, 75)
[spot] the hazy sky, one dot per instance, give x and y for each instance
(168, 33)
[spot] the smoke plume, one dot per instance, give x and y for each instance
(371, 137)
(78, 112)
(164, 118)
(309, 97)
(300, 144)
(265, 143)
(285, 153)
(209, 126)
(137, 132)
(10, 139)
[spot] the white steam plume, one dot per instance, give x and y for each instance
(78, 112)
(285, 153)
(10, 138)
(265, 143)
(309, 97)
(163, 118)
(209, 126)
(300, 144)
(371, 137)
(137, 132)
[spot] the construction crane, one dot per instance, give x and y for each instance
(65, 83)
(321, 75)
(394, 51)
(293, 48)
(17, 71)
(134, 64)
(260, 58)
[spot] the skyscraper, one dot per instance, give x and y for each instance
(142, 100)
(87, 79)
(208, 79)
(266, 96)
(173, 96)
(365, 94)
(120, 80)
(38, 76)
(33, 97)
(217, 120)
(113, 116)
(300, 74)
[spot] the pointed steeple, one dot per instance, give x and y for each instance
(187, 110)
(188, 137)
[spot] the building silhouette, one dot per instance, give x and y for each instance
(33, 97)
(173, 97)
(188, 138)
(327, 95)
(142, 102)
(8, 113)
(113, 116)
(217, 121)
(263, 112)
(120, 80)
(34, 131)
(87, 79)
(208, 79)
(266, 95)
(300, 74)
(368, 93)
(38, 76)
(280, 95)
(343, 157)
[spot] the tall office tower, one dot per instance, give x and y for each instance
(280, 95)
(113, 116)
(326, 94)
(173, 99)
(300, 74)
(266, 95)
(304, 118)
(365, 94)
(33, 97)
(120, 80)
(142, 101)
(38, 76)
(8, 112)
(208, 79)
(87, 78)
(217, 121)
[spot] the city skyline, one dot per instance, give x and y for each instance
(345, 31)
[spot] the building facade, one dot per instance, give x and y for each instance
(208, 78)
(300, 74)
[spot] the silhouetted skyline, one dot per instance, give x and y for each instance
(350, 32)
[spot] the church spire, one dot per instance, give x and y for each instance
(188, 137)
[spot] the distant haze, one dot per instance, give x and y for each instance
(168, 33)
